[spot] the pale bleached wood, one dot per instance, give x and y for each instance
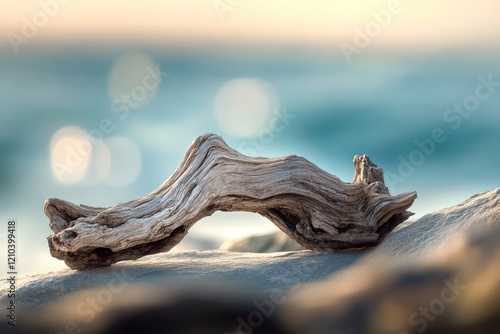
(311, 206)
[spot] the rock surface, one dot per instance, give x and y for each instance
(374, 291)
(266, 243)
(253, 271)
(437, 231)
(457, 291)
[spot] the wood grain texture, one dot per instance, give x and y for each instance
(311, 206)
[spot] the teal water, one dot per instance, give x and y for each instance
(381, 105)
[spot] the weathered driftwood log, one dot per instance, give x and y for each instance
(314, 208)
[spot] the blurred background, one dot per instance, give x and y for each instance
(100, 100)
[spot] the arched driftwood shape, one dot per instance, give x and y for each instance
(313, 207)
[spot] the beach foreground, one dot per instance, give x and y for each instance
(439, 275)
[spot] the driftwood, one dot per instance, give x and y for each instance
(311, 206)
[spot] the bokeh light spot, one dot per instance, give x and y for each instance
(118, 161)
(242, 106)
(134, 80)
(70, 152)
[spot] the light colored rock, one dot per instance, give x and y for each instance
(266, 243)
(437, 231)
(251, 270)
(440, 275)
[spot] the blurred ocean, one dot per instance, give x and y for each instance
(378, 105)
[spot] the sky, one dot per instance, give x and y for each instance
(431, 24)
